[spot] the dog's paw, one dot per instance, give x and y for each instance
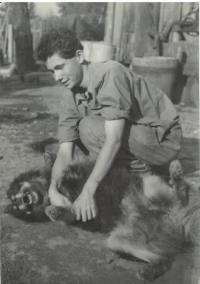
(146, 272)
(52, 212)
(152, 271)
(176, 170)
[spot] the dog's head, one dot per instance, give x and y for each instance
(28, 197)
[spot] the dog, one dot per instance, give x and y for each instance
(145, 216)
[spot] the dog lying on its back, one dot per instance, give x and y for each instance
(147, 218)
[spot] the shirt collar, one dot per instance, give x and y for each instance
(82, 95)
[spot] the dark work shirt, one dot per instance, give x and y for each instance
(115, 92)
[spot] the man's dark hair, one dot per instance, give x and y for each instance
(61, 41)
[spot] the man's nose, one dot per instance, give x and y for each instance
(58, 75)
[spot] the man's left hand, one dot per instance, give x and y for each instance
(85, 205)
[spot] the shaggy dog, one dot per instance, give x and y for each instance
(146, 218)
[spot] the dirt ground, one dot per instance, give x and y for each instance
(36, 253)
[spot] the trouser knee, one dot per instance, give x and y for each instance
(92, 132)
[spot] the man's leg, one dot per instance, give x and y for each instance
(142, 141)
(140, 147)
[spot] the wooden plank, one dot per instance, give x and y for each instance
(191, 50)
(146, 29)
(10, 43)
(118, 21)
(5, 21)
(14, 52)
(5, 39)
(127, 45)
(190, 55)
(186, 7)
(141, 25)
(127, 39)
(118, 30)
(161, 23)
(109, 22)
(33, 33)
(129, 16)
(171, 11)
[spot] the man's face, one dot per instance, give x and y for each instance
(68, 71)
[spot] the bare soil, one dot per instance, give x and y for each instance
(36, 253)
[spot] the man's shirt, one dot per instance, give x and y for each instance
(115, 92)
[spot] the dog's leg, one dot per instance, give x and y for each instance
(175, 170)
(177, 181)
(52, 212)
(154, 269)
(123, 239)
(64, 215)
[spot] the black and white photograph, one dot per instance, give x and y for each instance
(99, 142)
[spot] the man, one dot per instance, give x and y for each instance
(117, 115)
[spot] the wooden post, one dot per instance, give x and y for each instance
(160, 26)
(4, 21)
(117, 28)
(5, 39)
(169, 11)
(10, 43)
(14, 51)
(141, 25)
(109, 22)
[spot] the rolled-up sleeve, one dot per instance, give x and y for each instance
(68, 121)
(114, 95)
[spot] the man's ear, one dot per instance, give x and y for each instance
(80, 56)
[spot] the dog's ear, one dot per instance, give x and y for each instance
(46, 157)
(24, 185)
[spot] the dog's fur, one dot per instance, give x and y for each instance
(147, 218)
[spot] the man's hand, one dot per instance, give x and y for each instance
(63, 160)
(58, 199)
(85, 205)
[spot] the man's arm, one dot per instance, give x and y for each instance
(64, 158)
(84, 205)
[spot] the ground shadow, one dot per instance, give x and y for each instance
(25, 117)
(189, 155)
(40, 146)
(180, 82)
(32, 81)
(27, 218)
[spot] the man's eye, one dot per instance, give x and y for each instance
(60, 67)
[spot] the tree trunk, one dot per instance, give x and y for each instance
(19, 18)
